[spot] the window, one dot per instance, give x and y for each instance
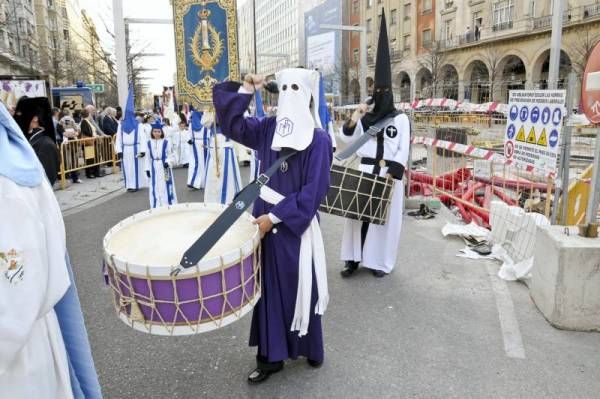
(355, 6)
(426, 38)
(369, 25)
(426, 6)
(65, 34)
(369, 3)
(393, 17)
(407, 12)
(477, 19)
(406, 42)
(503, 14)
(355, 56)
(447, 30)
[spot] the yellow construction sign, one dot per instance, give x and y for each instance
(521, 134)
(543, 140)
(531, 136)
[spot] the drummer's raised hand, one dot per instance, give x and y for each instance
(253, 82)
(264, 224)
(358, 113)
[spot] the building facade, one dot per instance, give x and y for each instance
(477, 50)
(19, 52)
(51, 22)
(245, 14)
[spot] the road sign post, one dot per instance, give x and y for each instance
(96, 87)
(590, 98)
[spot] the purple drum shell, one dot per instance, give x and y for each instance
(220, 293)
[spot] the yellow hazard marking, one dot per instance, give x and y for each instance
(543, 140)
(531, 136)
(521, 134)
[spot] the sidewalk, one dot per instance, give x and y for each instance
(89, 192)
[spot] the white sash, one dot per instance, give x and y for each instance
(312, 251)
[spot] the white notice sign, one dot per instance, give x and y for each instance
(533, 128)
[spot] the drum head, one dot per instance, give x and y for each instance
(156, 239)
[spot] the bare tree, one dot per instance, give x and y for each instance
(492, 59)
(98, 64)
(434, 60)
(581, 46)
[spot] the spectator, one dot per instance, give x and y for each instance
(88, 130)
(34, 117)
(91, 110)
(70, 131)
(110, 124)
(77, 116)
(468, 34)
(477, 32)
(55, 118)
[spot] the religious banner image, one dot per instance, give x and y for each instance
(206, 46)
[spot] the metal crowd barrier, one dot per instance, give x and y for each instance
(456, 118)
(469, 177)
(84, 153)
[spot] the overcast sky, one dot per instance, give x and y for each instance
(150, 38)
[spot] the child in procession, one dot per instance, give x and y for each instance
(159, 163)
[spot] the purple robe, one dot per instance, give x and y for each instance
(304, 185)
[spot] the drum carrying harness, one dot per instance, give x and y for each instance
(238, 206)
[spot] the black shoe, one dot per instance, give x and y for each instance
(258, 375)
(379, 273)
(314, 363)
(349, 269)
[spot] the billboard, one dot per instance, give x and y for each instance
(324, 47)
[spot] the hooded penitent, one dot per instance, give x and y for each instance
(382, 93)
(130, 123)
(28, 108)
(297, 118)
(158, 125)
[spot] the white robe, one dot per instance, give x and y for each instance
(132, 145)
(197, 154)
(178, 140)
(33, 360)
(162, 182)
(254, 166)
(380, 249)
(224, 183)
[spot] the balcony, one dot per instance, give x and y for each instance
(502, 26)
(396, 54)
(591, 11)
(546, 21)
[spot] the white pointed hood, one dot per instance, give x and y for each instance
(296, 119)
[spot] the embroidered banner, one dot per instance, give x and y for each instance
(206, 46)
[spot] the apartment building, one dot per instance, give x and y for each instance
(51, 21)
(18, 38)
(245, 12)
(476, 50)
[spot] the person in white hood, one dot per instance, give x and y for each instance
(287, 318)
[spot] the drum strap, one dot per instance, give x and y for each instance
(373, 131)
(238, 206)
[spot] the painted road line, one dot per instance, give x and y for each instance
(511, 334)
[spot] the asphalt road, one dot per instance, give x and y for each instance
(431, 329)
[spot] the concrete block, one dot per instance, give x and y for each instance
(565, 284)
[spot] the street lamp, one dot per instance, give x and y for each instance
(363, 51)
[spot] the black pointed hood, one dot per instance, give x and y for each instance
(383, 97)
(383, 66)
